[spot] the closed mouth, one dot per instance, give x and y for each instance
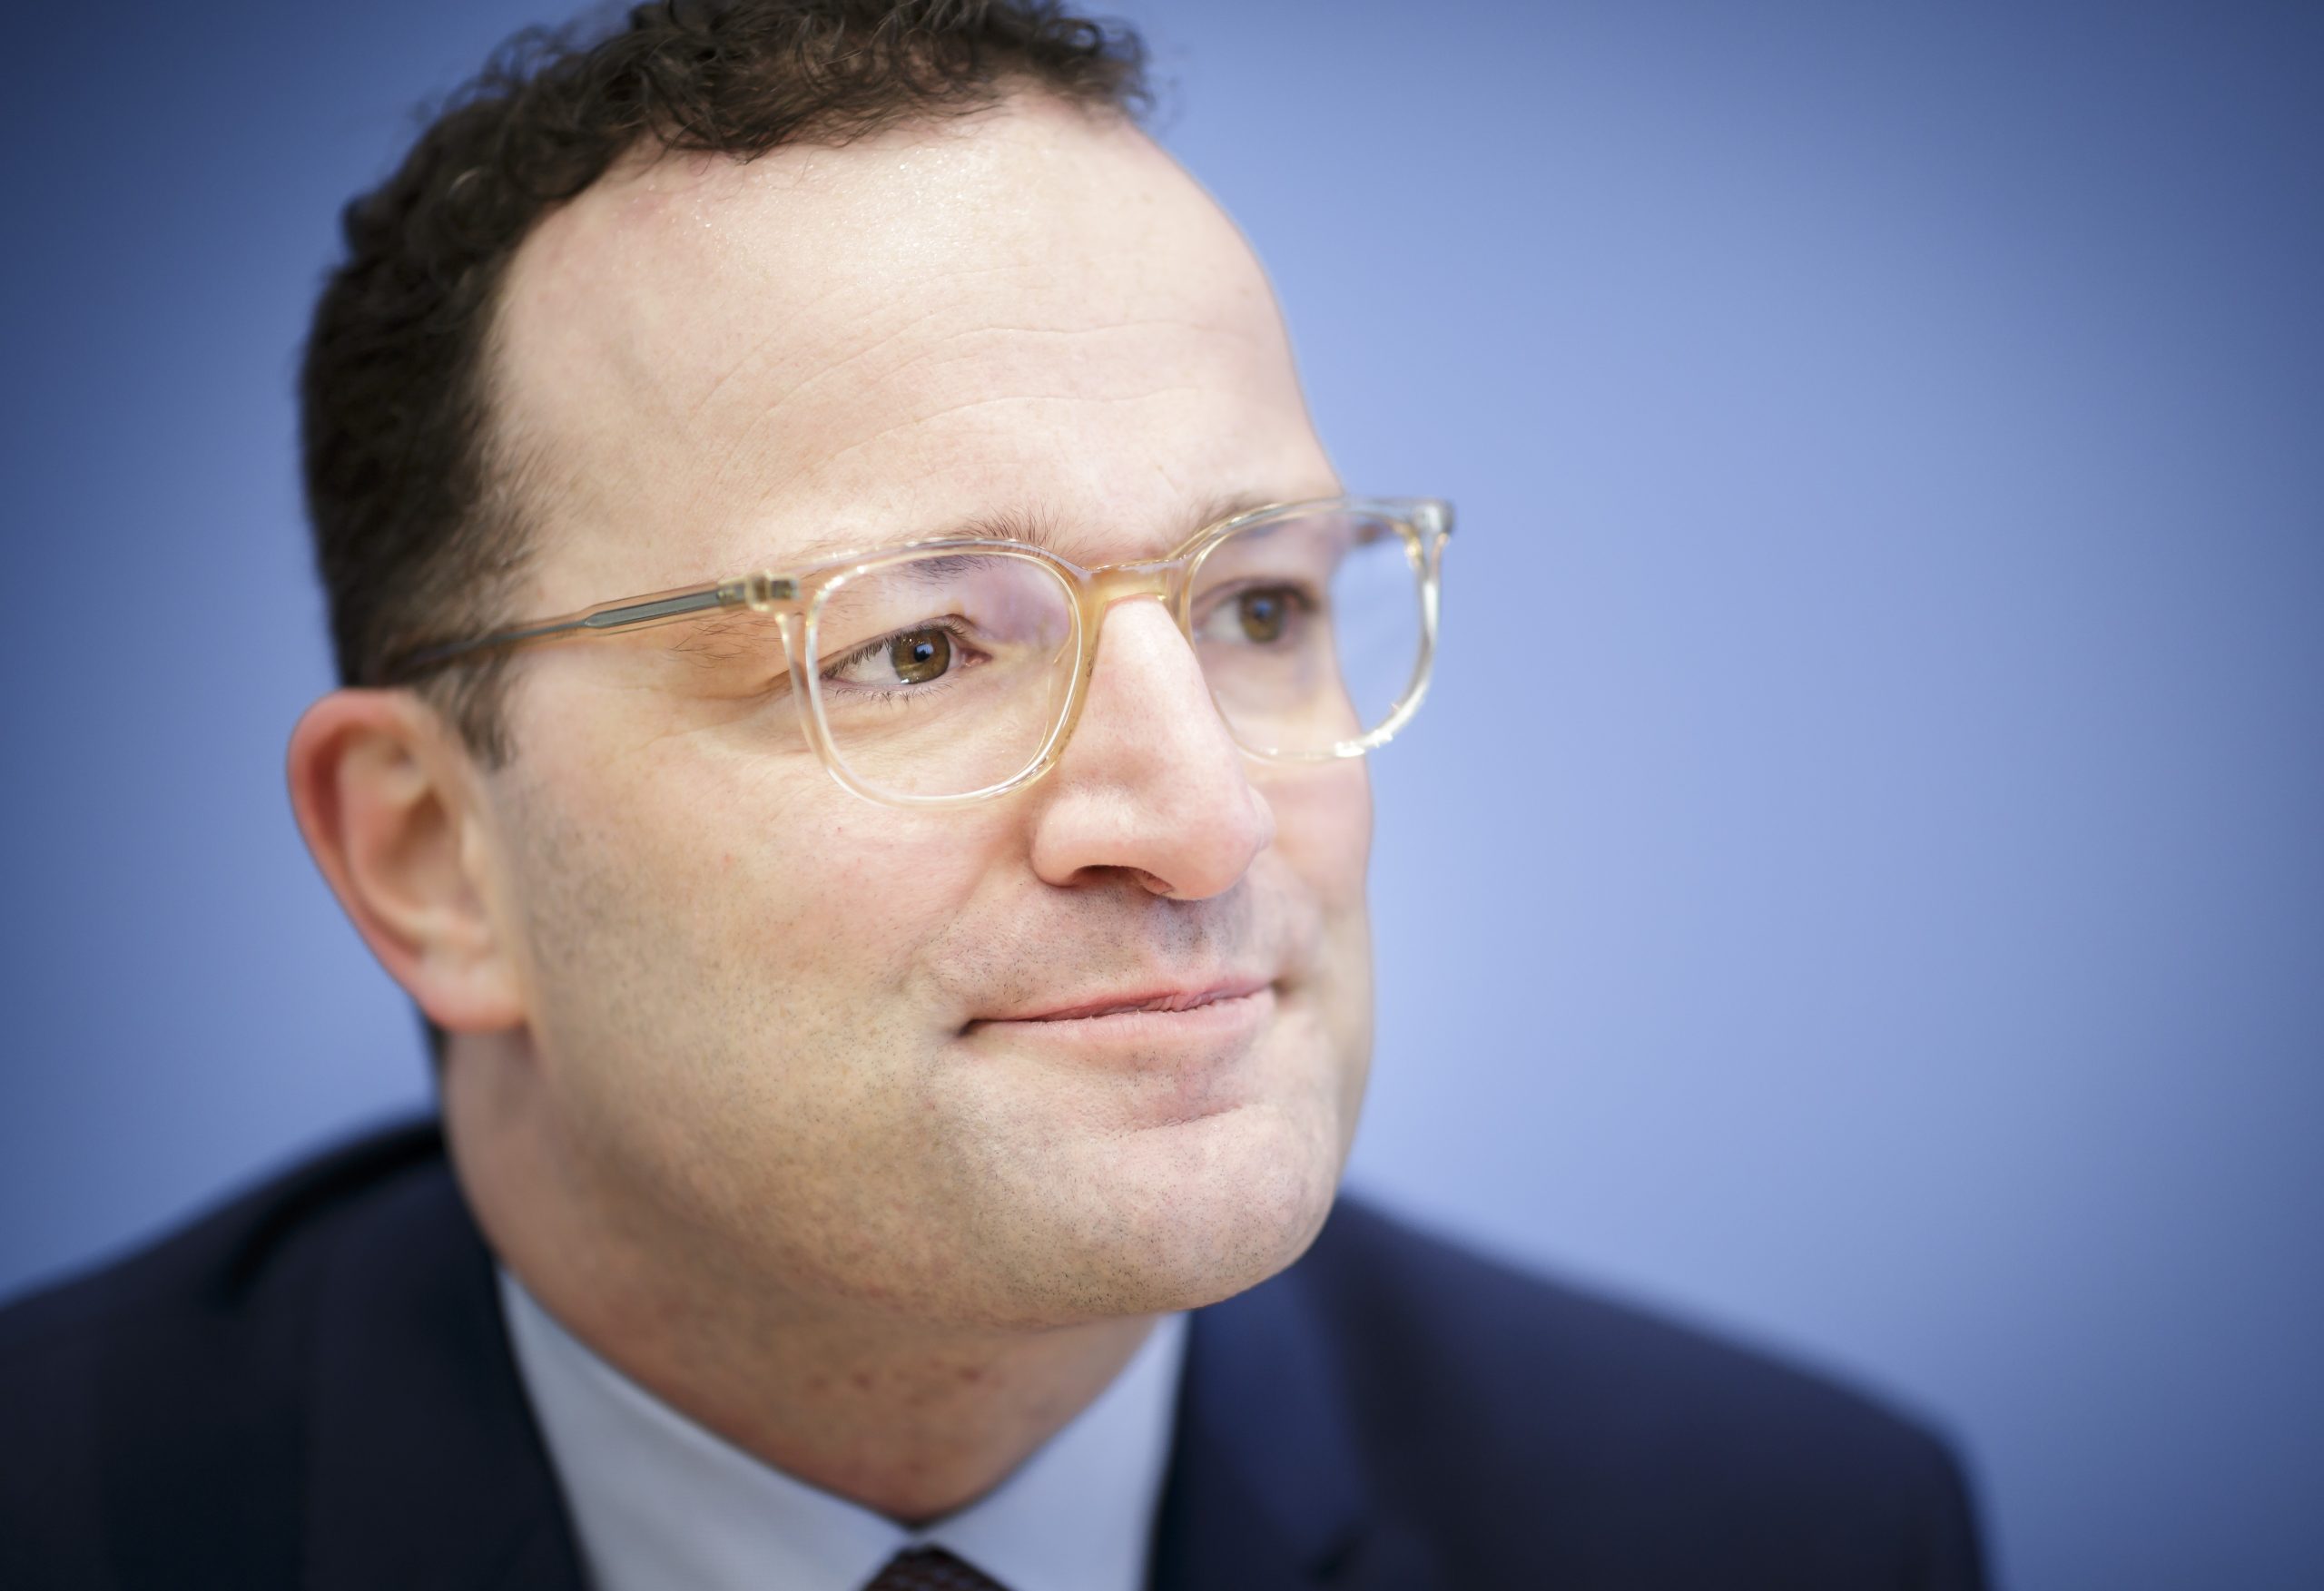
(1163, 1000)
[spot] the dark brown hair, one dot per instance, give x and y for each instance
(417, 515)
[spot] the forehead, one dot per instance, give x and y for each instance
(709, 363)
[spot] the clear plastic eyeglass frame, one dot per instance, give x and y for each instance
(796, 601)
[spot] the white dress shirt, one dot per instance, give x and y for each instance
(660, 1504)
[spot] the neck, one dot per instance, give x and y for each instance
(909, 1417)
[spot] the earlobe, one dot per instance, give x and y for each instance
(377, 785)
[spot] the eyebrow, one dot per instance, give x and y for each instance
(1034, 526)
(700, 642)
(1043, 530)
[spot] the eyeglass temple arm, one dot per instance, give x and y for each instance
(751, 591)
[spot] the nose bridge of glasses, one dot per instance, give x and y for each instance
(1119, 582)
(1162, 579)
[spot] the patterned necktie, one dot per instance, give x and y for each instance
(932, 1568)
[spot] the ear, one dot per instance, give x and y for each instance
(383, 794)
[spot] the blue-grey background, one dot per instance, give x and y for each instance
(1861, 879)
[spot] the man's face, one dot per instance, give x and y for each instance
(816, 1044)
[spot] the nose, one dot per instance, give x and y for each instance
(1151, 784)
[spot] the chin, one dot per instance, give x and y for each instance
(1181, 1216)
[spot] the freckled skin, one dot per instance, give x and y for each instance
(747, 1141)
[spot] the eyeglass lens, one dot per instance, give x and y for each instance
(946, 673)
(942, 675)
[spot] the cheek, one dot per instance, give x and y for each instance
(727, 973)
(684, 899)
(856, 897)
(1323, 829)
(1324, 835)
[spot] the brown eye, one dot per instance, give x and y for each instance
(1262, 614)
(919, 656)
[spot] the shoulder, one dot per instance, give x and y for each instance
(1495, 1335)
(1513, 1397)
(169, 1382)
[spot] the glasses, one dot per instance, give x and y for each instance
(948, 672)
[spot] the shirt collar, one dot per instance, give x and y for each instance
(660, 1504)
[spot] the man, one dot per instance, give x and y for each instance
(857, 668)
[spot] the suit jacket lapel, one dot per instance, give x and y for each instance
(1266, 1489)
(424, 1465)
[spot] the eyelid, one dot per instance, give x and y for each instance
(1302, 604)
(950, 624)
(1298, 590)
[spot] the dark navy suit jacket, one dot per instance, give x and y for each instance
(314, 1388)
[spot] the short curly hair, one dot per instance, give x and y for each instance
(417, 513)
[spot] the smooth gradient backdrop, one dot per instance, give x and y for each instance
(1860, 881)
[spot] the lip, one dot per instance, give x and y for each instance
(1231, 997)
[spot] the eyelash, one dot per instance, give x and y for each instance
(966, 657)
(1303, 602)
